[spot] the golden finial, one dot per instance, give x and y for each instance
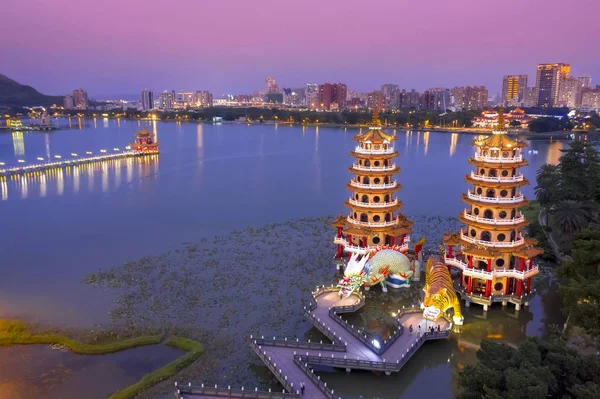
(376, 121)
(501, 118)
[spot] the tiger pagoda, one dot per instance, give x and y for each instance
(491, 252)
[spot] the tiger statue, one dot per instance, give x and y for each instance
(439, 292)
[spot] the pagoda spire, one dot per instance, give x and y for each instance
(376, 121)
(501, 118)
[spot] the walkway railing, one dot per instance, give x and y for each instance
(374, 168)
(497, 179)
(229, 392)
(383, 185)
(360, 150)
(284, 343)
(373, 224)
(459, 264)
(314, 379)
(372, 204)
(16, 170)
(518, 158)
(474, 218)
(272, 366)
(496, 244)
(493, 200)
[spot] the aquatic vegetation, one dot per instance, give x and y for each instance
(21, 333)
(227, 287)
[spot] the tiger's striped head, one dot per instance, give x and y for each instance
(436, 298)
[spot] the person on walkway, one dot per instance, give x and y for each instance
(439, 328)
(432, 329)
(410, 330)
(302, 388)
(419, 329)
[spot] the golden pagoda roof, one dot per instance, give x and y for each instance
(496, 184)
(451, 238)
(501, 205)
(529, 252)
(370, 156)
(500, 140)
(374, 134)
(372, 190)
(357, 231)
(480, 251)
(143, 133)
(497, 165)
(339, 221)
(369, 209)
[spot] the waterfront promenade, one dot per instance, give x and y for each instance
(61, 163)
(290, 360)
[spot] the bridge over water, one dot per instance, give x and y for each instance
(291, 360)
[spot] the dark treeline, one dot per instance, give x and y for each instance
(412, 118)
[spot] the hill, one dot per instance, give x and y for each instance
(14, 94)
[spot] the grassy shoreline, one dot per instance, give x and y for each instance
(21, 333)
(194, 350)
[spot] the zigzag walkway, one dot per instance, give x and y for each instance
(290, 360)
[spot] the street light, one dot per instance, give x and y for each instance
(40, 158)
(88, 152)
(102, 150)
(21, 161)
(73, 154)
(57, 156)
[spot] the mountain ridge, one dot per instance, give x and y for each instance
(15, 94)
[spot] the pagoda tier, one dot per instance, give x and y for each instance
(493, 255)
(374, 218)
(144, 141)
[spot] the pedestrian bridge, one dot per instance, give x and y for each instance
(290, 360)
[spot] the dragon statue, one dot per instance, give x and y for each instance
(439, 292)
(385, 265)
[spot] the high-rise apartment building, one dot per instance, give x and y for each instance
(585, 80)
(436, 98)
(469, 97)
(325, 96)
(202, 98)
(80, 99)
(147, 99)
(529, 97)
(376, 99)
(167, 99)
(391, 93)
(513, 89)
(272, 87)
(68, 102)
(590, 99)
(312, 95)
(332, 94)
(340, 94)
(570, 93)
(409, 99)
(548, 83)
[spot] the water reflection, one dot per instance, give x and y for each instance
(453, 142)
(18, 144)
(553, 154)
(55, 181)
(426, 140)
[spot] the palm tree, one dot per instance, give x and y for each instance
(547, 188)
(570, 217)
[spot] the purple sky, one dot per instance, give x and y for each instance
(228, 46)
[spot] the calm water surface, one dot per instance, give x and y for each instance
(57, 227)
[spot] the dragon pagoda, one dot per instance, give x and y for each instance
(491, 253)
(374, 222)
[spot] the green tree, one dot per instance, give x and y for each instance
(515, 123)
(537, 369)
(570, 217)
(547, 189)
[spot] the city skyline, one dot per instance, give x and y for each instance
(414, 48)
